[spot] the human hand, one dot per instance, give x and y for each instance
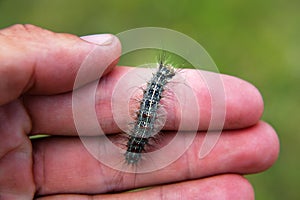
(37, 73)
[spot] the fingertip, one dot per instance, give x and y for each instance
(244, 103)
(236, 186)
(269, 146)
(258, 153)
(226, 186)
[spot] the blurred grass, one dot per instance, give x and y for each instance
(255, 40)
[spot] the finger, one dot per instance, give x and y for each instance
(227, 186)
(243, 106)
(63, 165)
(42, 62)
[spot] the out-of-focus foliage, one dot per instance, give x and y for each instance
(256, 40)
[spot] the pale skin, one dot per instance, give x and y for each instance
(37, 72)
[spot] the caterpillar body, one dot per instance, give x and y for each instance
(147, 115)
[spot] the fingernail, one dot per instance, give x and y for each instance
(99, 39)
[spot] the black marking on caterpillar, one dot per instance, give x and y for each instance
(144, 126)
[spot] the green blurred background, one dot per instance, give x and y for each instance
(258, 41)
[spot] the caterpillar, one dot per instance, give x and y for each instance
(144, 126)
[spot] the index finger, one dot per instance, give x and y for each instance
(53, 115)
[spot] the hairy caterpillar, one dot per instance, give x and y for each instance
(145, 99)
(144, 126)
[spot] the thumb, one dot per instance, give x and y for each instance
(38, 61)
